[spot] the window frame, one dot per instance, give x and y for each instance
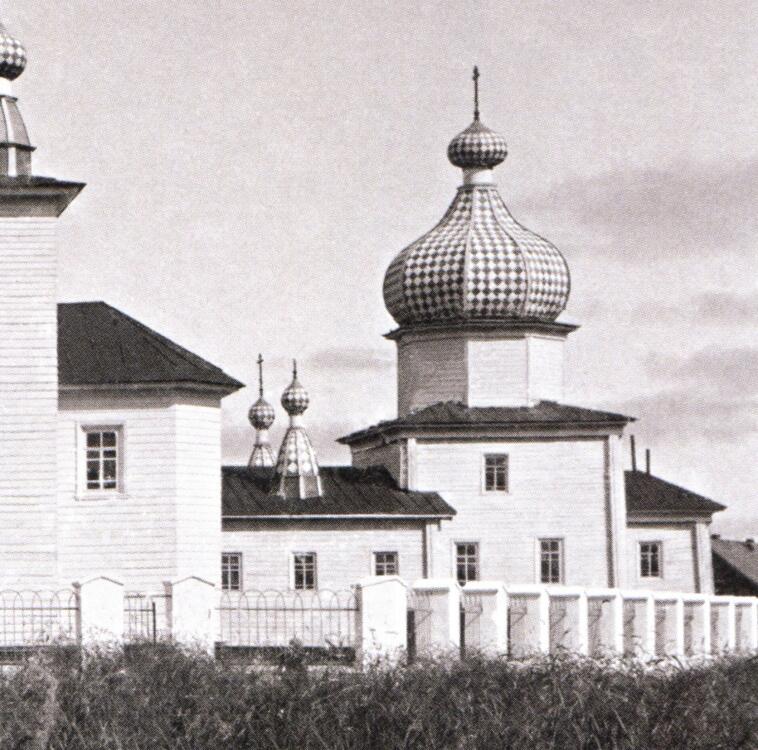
(659, 544)
(477, 561)
(84, 429)
(294, 574)
(561, 560)
(240, 558)
(375, 562)
(495, 490)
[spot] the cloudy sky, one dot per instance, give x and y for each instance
(253, 167)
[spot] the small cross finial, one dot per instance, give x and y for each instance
(294, 368)
(476, 93)
(260, 375)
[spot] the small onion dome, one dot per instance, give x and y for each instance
(478, 263)
(295, 398)
(261, 414)
(477, 147)
(12, 56)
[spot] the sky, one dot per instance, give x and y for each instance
(253, 167)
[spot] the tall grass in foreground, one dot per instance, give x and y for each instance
(163, 697)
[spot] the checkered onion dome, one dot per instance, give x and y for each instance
(261, 414)
(297, 456)
(12, 56)
(477, 146)
(295, 398)
(478, 263)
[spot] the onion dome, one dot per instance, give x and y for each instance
(12, 56)
(261, 416)
(478, 263)
(297, 473)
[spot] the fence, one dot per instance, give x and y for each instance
(529, 619)
(146, 617)
(321, 621)
(31, 619)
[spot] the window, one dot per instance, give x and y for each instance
(650, 559)
(496, 473)
(385, 564)
(551, 560)
(102, 459)
(467, 562)
(231, 571)
(304, 571)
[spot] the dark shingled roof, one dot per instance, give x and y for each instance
(455, 414)
(99, 345)
(742, 556)
(646, 493)
(347, 492)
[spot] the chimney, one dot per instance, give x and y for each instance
(750, 543)
(647, 460)
(634, 452)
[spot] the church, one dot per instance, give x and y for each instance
(110, 434)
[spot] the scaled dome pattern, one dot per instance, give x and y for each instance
(12, 56)
(261, 414)
(478, 263)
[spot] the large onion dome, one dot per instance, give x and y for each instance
(12, 56)
(478, 263)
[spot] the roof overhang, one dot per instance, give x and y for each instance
(339, 517)
(517, 327)
(178, 386)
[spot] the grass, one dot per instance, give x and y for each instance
(165, 697)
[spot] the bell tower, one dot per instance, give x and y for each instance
(29, 209)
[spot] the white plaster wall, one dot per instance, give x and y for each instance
(557, 489)
(344, 550)
(430, 371)
(497, 372)
(28, 400)
(165, 523)
(545, 368)
(678, 556)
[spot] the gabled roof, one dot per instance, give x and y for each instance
(742, 556)
(348, 491)
(99, 345)
(647, 494)
(457, 415)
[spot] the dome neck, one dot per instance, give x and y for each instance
(477, 176)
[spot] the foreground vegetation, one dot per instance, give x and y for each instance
(163, 697)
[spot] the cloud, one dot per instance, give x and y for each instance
(690, 209)
(711, 308)
(356, 358)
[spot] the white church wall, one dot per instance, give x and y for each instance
(678, 554)
(545, 368)
(344, 550)
(497, 372)
(557, 489)
(28, 393)
(390, 456)
(167, 509)
(430, 370)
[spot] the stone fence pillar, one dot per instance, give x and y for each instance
(528, 620)
(443, 598)
(382, 620)
(639, 624)
(485, 604)
(192, 612)
(101, 611)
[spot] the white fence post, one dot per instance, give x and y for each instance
(753, 624)
(617, 638)
(706, 626)
(193, 615)
(101, 611)
(444, 599)
(731, 625)
(491, 617)
(382, 624)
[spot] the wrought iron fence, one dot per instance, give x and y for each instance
(145, 617)
(31, 619)
(269, 621)
(418, 623)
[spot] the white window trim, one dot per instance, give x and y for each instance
(292, 569)
(538, 559)
(659, 577)
(394, 552)
(483, 481)
(82, 428)
(454, 556)
(241, 571)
